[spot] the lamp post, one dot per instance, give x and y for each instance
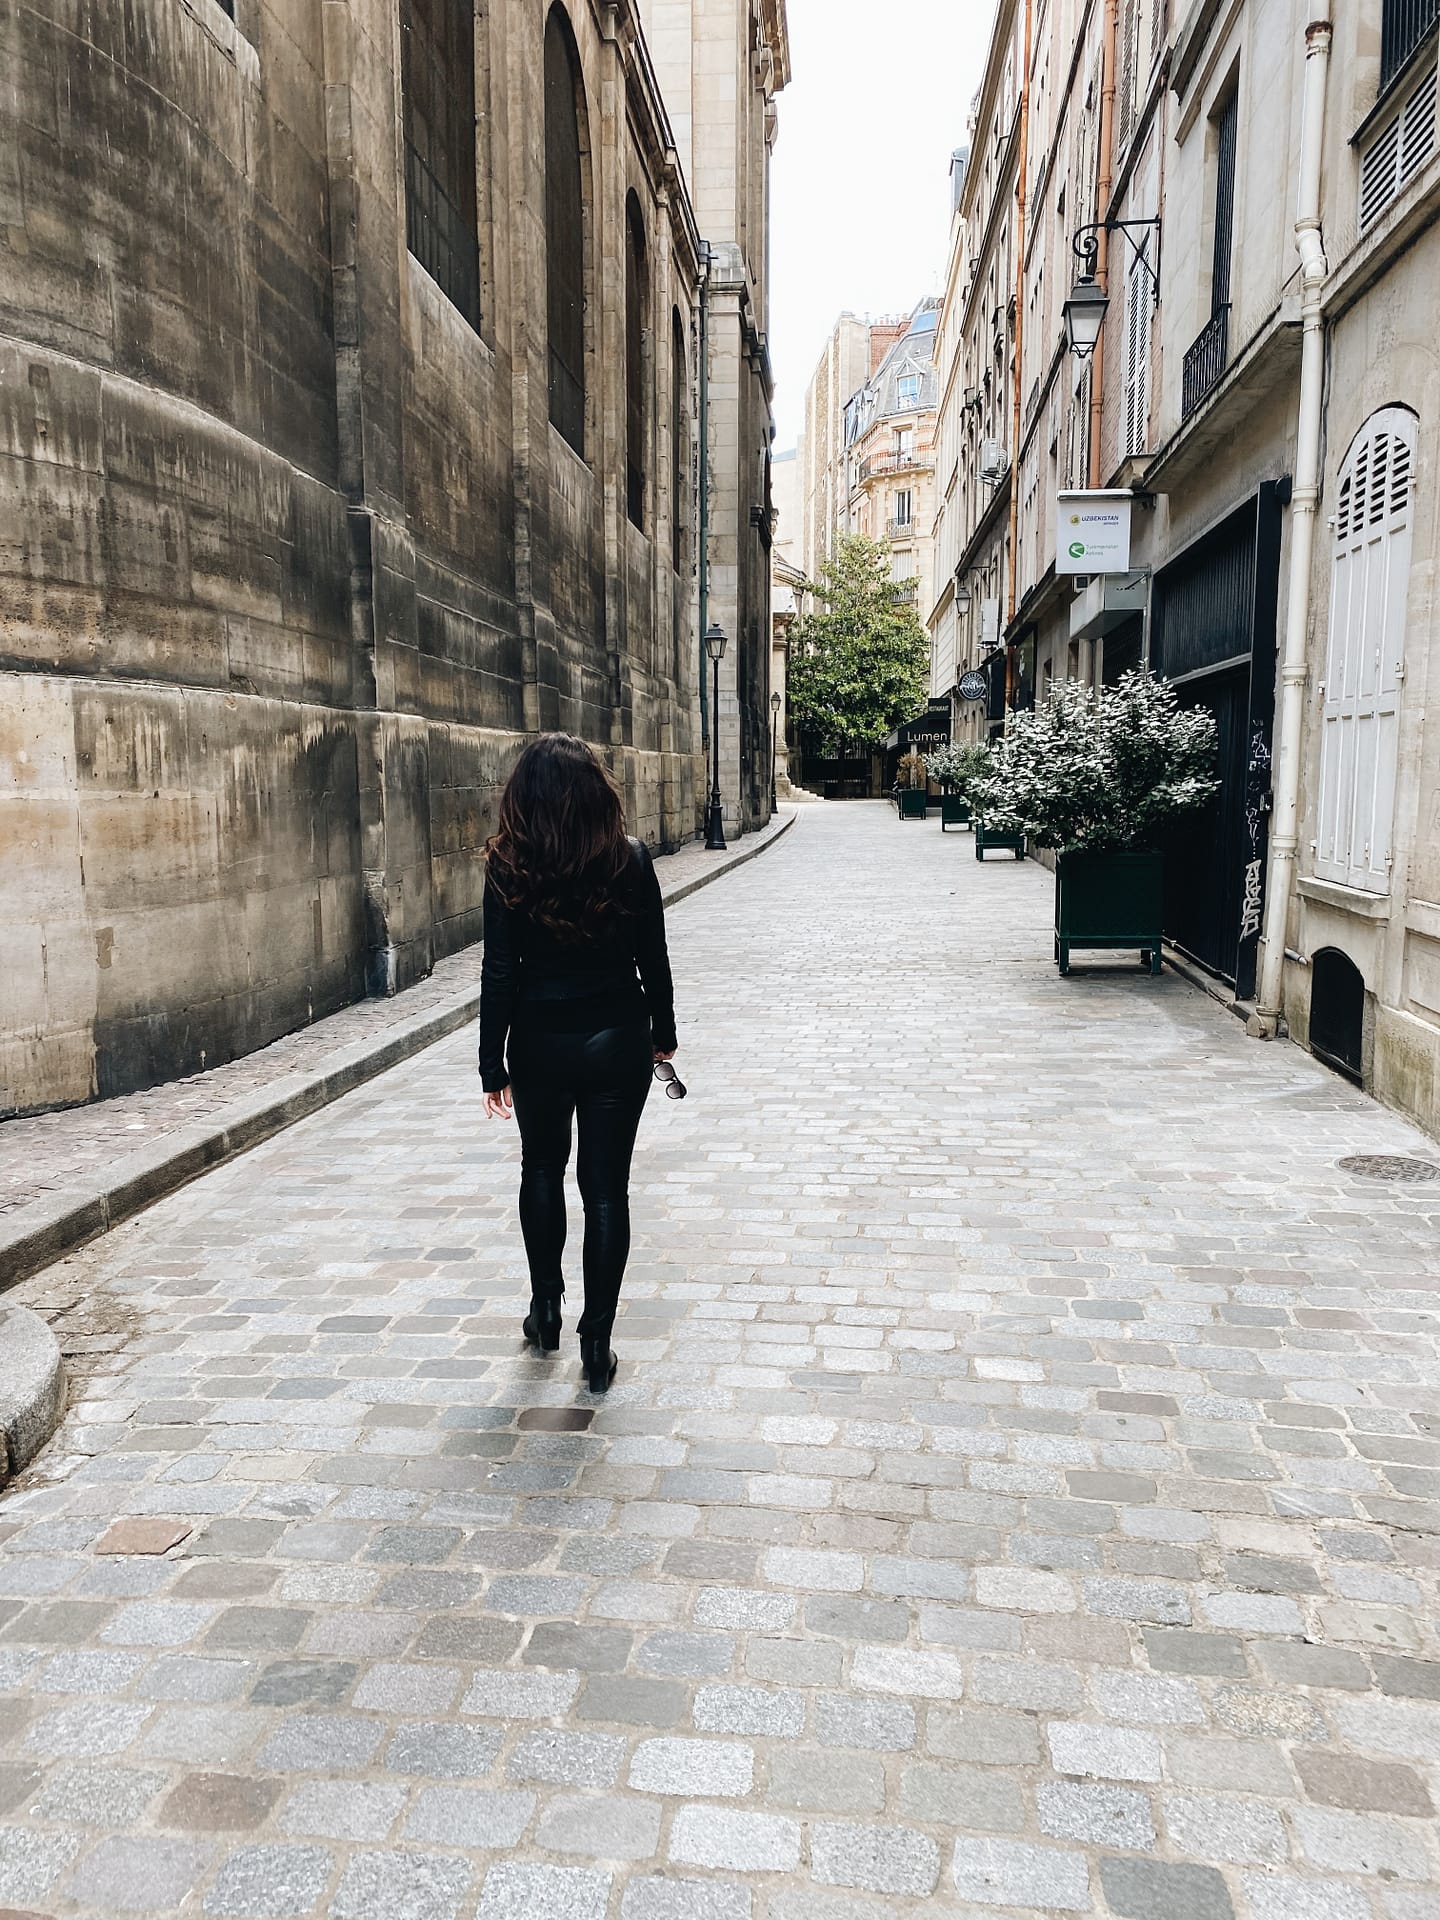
(715, 813)
(1085, 309)
(774, 743)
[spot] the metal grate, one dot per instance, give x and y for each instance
(1205, 361)
(1398, 152)
(1403, 26)
(1389, 1166)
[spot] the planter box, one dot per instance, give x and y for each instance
(912, 803)
(1109, 900)
(991, 840)
(954, 811)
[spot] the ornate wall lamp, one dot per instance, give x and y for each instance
(1085, 308)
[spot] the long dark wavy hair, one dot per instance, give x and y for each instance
(560, 849)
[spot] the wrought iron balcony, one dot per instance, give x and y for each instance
(1404, 25)
(894, 461)
(1205, 361)
(900, 529)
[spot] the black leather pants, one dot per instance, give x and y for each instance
(601, 1080)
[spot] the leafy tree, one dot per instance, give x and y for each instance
(860, 664)
(1101, 771)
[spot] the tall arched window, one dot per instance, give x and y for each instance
(437, 84)
(635, 409)
(565, 229)
(1364, 660)
(679, 440)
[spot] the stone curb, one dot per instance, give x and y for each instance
(32, 1388)
(34, 1236)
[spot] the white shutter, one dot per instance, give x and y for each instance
(1137, 357)
(1364, 663)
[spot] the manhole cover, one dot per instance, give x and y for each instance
(1389, 1166)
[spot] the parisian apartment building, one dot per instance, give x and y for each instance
(353, 363)
(1254, 192)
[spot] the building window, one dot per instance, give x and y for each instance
(904, 501)
(907, 390)
(1404, 24)
(635, 409)
(1365, 654)
(565, 230)
(679, 438)
(1227, 126)
(1137, 356)
(437, 76)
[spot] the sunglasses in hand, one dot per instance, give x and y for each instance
(675, 1088)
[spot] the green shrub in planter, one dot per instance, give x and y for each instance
(1097, 777)
(911, 801)
(990, 838)
(955, 769)
(954, 811)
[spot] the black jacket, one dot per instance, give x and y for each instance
(528, 975)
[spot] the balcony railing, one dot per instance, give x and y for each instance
(896, 462)
(1205, 362)
(900, 529)
(1404, 25)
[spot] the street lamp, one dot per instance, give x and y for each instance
(715, 814)
(774, 743)
(1085, 309)
(962, 595)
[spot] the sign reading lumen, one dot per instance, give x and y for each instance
(1092, 531)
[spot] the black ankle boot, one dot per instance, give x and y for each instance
(598, 1361)
(542, 1323)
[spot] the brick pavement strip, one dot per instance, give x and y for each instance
(1020, 1493)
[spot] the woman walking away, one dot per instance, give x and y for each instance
(576, 1012)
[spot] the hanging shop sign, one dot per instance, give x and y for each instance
(1092, 531)
(973, 685)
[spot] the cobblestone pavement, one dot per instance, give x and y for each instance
(48, 1154)
(1020, 1492)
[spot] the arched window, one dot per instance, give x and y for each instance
(565, 229)
(635, 410)
(679, 441)
(437, 84)
(1360, 713)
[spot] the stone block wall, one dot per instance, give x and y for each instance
(291, 560)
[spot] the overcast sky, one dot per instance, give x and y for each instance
(860, 205)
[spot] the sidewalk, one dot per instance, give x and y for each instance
(66, 1176)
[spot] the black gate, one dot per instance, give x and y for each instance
(1213, 634)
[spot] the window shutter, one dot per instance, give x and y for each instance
(1364, 663)
(1397, 153)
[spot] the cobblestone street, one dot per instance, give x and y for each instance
(1020, 1492)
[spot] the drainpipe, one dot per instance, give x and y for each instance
(1102, 211)
(1304, 507)
(703, 555)
(1011, 662)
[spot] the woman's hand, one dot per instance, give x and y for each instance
(661, 1055)
(500, 1106)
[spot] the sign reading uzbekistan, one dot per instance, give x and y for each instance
(1092, 531)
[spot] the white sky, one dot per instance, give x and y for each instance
(860, 205)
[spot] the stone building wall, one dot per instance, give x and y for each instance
(291, 557)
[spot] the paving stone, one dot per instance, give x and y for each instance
(138, 1874)
(142, 1535)
(470, 1817)
(858, 1619)
(1098, 1816)
(633, 1700)
(876, 1859)
(1013, 1873)
(982, 1735)
(881, 1726)
(86, 1732)
(31, 1862)
(521, 1696)
(808, 1663)
(600, 1826)
(304, 1683)
(1155, 1890)
(670, 1899)
(516, 1891)
(567, 1759)
(920, 1675)
(972, 1797)
(342, 1809)
(1227, 1829)
(402, 1886)
(260, 1882)
(1103, 1753)
(813, 1571)
(219, 1803)
(749, 1710)
(720, 1769)
(1286, 1897)
(559, 1643)
(1187, 1651)
(1360, 1843)
(744, 1607)
(436, 1751)
(822, 1780)
(1346, 1780)
(740, 1842)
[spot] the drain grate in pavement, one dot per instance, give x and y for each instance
(1389, 1166)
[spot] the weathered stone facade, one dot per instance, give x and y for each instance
(291, 556)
